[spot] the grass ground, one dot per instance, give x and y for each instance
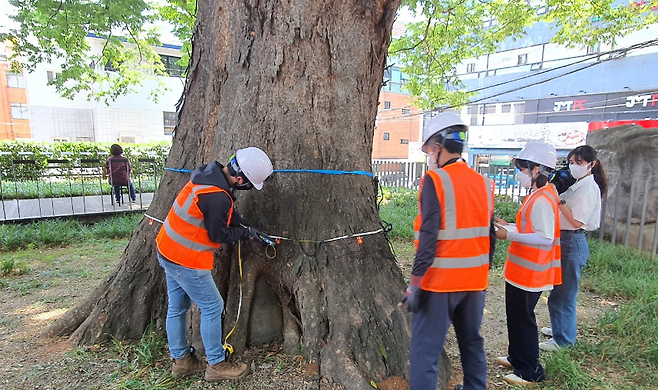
(618, 319)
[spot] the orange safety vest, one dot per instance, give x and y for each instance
(466, 198)
(535, 267)
(183, 238)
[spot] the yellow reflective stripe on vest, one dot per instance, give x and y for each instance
(464, 233)
(540, 247)
(182, 212)
(531, 265)
(450, 231)
(460, 262)
(174, 236)
(489, 184)
(524, 219)
(449, 208)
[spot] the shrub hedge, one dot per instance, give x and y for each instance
(11, 151)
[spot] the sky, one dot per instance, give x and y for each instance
(5, 22)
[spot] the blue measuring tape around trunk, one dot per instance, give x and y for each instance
(320, 171)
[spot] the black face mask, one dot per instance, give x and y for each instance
(235, 171)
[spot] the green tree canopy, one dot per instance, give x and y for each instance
(447, 33)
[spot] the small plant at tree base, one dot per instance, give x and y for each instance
(12, 267)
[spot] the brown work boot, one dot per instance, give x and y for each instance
(225, 370)
(188, 365)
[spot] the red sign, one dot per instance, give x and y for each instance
(647, 124)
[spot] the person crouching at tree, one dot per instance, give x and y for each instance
(200, 220)
(455, 240)
(533, 261)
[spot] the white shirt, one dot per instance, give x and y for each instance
(584, 199)
(543, 225)
(543, 218)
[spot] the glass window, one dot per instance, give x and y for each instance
(506, 108)
(522, 59)
(406, 111)
(170, 122)
(19, 111)
(110, 67)
(595, 48)
(171, 66)
(387, 105)
(387, 136)
(470, 68)
(15, 80)
(52, 75)
(404, 141)
(472, 110)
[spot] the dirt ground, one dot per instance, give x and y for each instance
(60, 277)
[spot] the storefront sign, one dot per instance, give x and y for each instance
(560, 135)
(597, 104)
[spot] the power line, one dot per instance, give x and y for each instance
(653, 42)
(641, 45)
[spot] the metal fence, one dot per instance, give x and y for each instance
(504, 177)
(65, 187)
(629, 215)
(402, 174)
(408, 174)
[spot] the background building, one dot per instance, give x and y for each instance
(399, 124)
(14, 108)
(533, 89)
(32, 109)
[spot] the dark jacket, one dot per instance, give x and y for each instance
(117, 169)
(216, 206)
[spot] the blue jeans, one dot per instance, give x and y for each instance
(562, 300)
(429, 328)
(117, 192)
(183, 286)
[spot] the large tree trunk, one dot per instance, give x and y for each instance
(301, 80)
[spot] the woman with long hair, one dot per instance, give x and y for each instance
(580, 212)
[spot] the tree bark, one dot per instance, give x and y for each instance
(300, 80)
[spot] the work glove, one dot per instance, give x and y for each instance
(413, 298)
(260, 237)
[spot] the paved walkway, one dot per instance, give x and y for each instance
(25, 209)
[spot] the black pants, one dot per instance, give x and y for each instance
(523, 350)
(430, 326)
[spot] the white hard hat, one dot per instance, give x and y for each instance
(255, 164)
(441, 122)
(539, 152)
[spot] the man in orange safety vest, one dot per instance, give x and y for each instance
(200, 220)
(454, 245)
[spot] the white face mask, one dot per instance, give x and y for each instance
(524, 179)
(578, 171)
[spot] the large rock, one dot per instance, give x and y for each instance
(629, 153)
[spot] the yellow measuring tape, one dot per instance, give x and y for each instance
(226, 345)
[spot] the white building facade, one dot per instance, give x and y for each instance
(133, 118)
